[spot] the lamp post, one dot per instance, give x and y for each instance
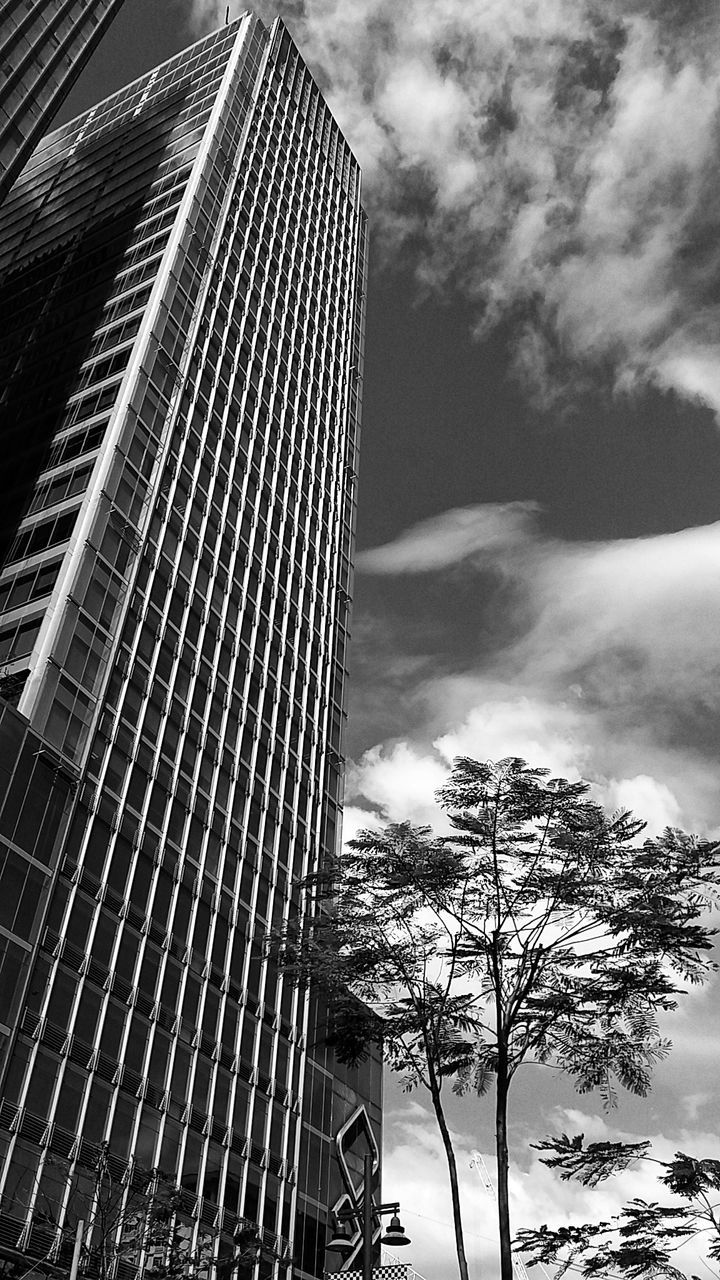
(364, 1219)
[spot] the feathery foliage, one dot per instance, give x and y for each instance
(643, 1238)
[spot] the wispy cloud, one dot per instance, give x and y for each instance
(453, 537)
(556, 162)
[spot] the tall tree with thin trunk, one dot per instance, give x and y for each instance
(538, 933)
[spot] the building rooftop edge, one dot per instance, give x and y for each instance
(50, 139)
(68, 125)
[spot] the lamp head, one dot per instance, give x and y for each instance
(395, 1234)
(340, 1241)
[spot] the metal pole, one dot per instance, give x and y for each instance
(367, 1219)
(76, 1251)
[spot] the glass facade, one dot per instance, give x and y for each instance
(44, 44)
(185, 267)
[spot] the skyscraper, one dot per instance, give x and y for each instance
(182, 275)
(44, 44)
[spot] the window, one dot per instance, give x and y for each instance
(113, 1026)
(13, 959)
(70, 1098)
(122, 1126)
(170, 1150)
(86, 1018)
(29, 586)
(147, 1136)
(42, 1084)
(47, 534)
(159, 1059)
(23, 885)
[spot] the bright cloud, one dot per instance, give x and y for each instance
(518, 726)
(397, 782)
(558, 160)
(644, 795)
(612, 647)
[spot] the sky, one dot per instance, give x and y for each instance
(539, 507)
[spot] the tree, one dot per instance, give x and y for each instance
(536, 933)
(642, 1239)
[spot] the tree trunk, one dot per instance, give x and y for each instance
(503, 1164)
(452, 1171)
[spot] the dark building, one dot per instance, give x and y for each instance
(182, 277)
(44, 45)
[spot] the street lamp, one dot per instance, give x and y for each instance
(341, 1241)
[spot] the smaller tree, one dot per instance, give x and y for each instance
(133, 1218)
(643, 1238)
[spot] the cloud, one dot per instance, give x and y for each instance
(552, 162)
(603, 663)
(504, 725)
(694, 1103)
(398, 781)
(206, 15)
(450, 538)
(642, 794)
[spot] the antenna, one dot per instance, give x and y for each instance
(227, 15)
